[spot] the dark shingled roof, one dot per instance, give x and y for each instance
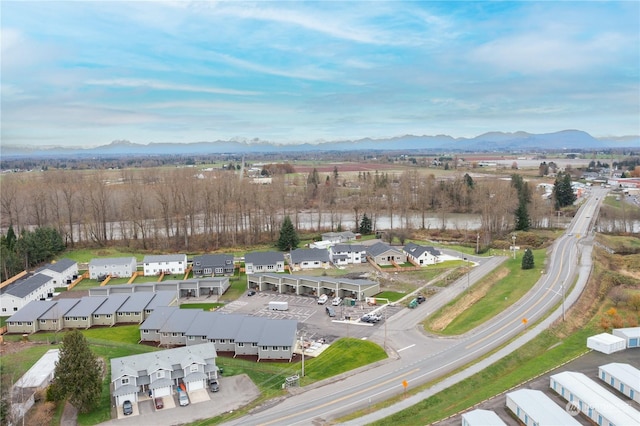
(24, 287)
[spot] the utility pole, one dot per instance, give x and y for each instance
(302, 350)
(513, 238)
(478, 243)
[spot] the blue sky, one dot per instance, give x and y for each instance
(85, 73)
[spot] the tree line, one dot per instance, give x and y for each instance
(186, 209)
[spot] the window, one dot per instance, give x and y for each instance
(15, 309)
(145, 331)
(223, 340)
(193, 368)
(43, 321)
(4, 309)
(125, 380)
(203, 338)
(241, 344)
(175, 334)
(96, 316)
(275, 348)
(160, 374)
(128, 314)
(191, 337)
(265, 348)
(108, 315)
(254, 344)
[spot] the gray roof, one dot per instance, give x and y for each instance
(177, 356)
(136, 302)
(86, 306)
(213, 260)
(111, 305)
(59, 310)
(202, 323)
(161, 298)
(279, 333)
(156, 320)
(180, 321)
(59, 266)
(26, 286)
(108, 261)
(348, 248)
(309, 255)
(226, 326)
(310, 278)
(264, 257)
(165, 258)
(417, 250)
(32, 311)
(380, 248)
(251, 329)
(348, 235)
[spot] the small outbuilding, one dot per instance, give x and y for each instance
(606, 343)
(622, 377)
(631, 335)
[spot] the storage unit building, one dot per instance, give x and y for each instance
(624, 378)
(606, 343)
(481, 418)
(594, 401)
(535, 408)
(631, 335)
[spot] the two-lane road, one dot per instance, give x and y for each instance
(421, 359)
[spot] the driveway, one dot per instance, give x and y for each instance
(235, 392)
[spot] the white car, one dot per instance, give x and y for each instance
(336, 301)
(322, 299)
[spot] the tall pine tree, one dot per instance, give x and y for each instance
(365, 225)
(522, 219)
(288, 236)
(527, 259)
(77, 374)
(562, 191)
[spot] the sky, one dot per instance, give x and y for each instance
(86, 73)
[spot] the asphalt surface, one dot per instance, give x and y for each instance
(420, 359)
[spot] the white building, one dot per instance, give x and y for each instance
(594, 401)
(624, 378)
(114, 266)
(631, 335)
(535, 408)
(167, 263)
(17, 294)
(481, 418)
(63, 272)
(606, 343)
(348, 254)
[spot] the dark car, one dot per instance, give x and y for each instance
(251, 293)
(330, 311)
(421, 299)
(127, 408)
(159, 403)
(214, 386)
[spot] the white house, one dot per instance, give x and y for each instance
(339, 237)
(264, 261)
(114, 266)
(422, 255)
(17, 294)
(312, 258)
(161, 372)
(348, 254)
(167, 263)
(62, 272)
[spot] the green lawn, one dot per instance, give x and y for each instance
(545, 352)
(85, 255)
(502, 294)
(203, 306)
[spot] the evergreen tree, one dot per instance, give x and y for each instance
(289, 239)
(468, 180)
(527, 259)
(77, 374)
(11, 239)
(365, 225)
(522, 219)
(562, 191)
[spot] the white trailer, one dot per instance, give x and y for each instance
(278, 306)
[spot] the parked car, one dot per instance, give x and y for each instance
(251, 293)
(127, 408)
(159, 403)
(371, 318)
(322, 299)
(330, 311)
(214, 386)
(336, 301)
(421, 299)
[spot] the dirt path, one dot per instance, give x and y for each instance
(69, 415)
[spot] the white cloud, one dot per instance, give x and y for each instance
(158, 85)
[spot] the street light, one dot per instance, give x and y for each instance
(513, 238)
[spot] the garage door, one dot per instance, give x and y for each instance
(162, 392)
(191, 386)
(121, 399)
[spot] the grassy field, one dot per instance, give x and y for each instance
(494, 293)
(203, 306)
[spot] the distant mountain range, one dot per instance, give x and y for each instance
(487, 142)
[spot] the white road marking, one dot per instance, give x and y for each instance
(406, 347)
